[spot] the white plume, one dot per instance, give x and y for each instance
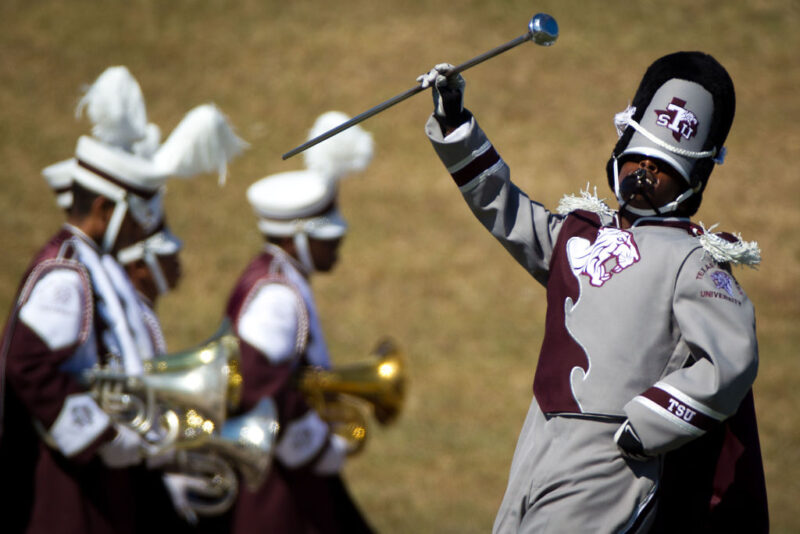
(347, 152)
(738, 252)
(148, 145)
(115, 105)
(203, 141)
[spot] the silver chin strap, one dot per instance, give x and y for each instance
(303, 251)
(112, 231)
(158, 273)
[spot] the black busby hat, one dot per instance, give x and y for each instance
(681, 113)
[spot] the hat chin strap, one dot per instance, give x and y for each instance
(114, 225)
(669, 207)
(158, 274)
(303, 251)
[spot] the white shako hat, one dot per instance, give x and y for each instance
(124, 161)
(297, 201)
(303, 203)
(681, 113)
(160, 242)
(115, 105)
(59, 177)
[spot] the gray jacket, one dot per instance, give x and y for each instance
(641, 323)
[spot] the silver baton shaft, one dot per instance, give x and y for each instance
(542, 30)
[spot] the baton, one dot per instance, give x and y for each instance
(542, 30)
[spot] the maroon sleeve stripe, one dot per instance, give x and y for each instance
(678, 408)
(476, 166)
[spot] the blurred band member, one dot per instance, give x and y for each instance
(76, 309)
(154, 267)
(273, 312)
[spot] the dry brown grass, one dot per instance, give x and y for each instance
(416, 265)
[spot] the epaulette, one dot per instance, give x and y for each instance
(587, 201)
(725, 247)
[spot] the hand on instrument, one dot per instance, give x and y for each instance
(333, 458)
(126, 449)
(629, 443)
(158, 459)
(448, 94)
(179, 486)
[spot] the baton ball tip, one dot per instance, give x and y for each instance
(543, 29)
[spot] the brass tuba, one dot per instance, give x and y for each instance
(181, 397)
(343, 394)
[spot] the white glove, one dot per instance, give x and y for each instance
(124, 450)
(333, 458)
(448, 93)
(178, 486)
(437, 73)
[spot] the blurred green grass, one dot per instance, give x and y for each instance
(415, 264)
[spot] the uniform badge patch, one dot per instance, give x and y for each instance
(723, 281)
(725, 286)
(613, 248)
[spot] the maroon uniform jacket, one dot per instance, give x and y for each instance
(292, 499)
(45, 490)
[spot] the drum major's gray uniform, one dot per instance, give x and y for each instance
(641, 324)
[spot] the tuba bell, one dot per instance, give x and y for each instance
(180, 399)
(344, 394)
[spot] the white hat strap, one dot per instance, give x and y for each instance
(303, 251)
(155, 269)
(114, 225)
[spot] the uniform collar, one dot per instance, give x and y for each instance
(80, 234)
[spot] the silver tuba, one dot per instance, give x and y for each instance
(180, 399)
(245, 445)
(343, 395)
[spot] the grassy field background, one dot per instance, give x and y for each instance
(416, 265)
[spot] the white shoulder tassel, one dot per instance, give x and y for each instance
(203, 141)
(587, 201)
(349, 151)
(115, 105)
(739, 252)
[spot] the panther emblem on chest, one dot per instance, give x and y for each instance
(594, 260)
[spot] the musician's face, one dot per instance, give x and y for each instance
(324, 252)
(667, 183)
(171, 266)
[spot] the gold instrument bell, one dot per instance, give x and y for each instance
(181, 398)
(344, 394)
